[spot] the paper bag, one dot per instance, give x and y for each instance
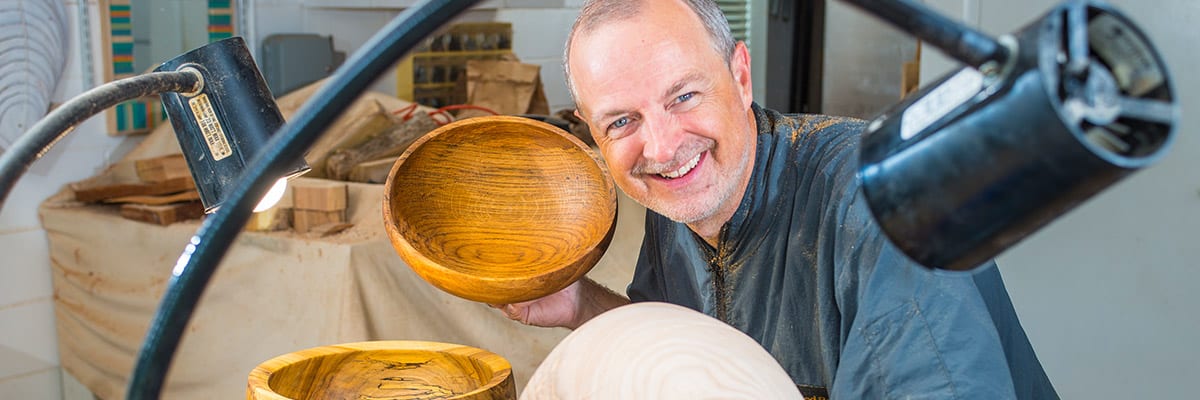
(506, 87)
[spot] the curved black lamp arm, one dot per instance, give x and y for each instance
(56, 125)
(199, 260)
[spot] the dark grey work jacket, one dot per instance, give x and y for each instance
(804, 269)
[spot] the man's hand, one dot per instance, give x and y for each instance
(567, 308)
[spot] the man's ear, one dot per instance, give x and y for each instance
(739, 65)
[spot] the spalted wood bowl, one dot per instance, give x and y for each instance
(499, 209)
(384, 370)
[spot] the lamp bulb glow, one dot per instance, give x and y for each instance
(273, 196)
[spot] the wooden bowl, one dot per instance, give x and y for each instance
(500, 209)
(384, 370)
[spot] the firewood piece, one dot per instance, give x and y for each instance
(390, 144)
(165, 214)
(91, 192)
(275, 219)
(157, 200)
(319, 195)
(363, 121)
(372, 171)
(305, 221)
(162, 168)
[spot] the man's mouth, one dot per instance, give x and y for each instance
(683, 170)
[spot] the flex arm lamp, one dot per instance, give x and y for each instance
(1038, 122)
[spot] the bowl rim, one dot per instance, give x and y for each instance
(424, 265)
(260, 377)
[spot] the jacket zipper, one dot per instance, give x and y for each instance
(720, 290)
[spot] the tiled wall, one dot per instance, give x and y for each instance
(28, 346)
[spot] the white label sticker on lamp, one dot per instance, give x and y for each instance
(939, 102)
(214, 135)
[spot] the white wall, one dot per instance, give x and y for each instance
(28, 345)
(862, 62)
(1108, 293)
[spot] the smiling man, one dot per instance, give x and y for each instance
(755, 219)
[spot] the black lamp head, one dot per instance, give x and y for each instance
(978, 161)
(222, 126)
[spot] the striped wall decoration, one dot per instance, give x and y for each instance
(142, 115)
(220, 20)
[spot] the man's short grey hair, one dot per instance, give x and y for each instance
(597, 13)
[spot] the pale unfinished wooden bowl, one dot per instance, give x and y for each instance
(384, 370)
(500, 209)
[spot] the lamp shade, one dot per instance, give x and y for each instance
(223, 126)
(976, 162)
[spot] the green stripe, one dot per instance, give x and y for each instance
(219, 3)
(220, 19)
(121, 124)
(139, 115)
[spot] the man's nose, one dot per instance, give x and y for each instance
(663, 138)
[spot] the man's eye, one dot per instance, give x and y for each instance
(685, 97)
(619, 123)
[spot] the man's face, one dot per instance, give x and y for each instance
(671, 117)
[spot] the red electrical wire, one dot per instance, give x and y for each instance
(443, 111)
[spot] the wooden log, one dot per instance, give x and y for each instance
(658, 351)
(375, 171)
(318, 195)
(93, 191)
(306, 221)
(162, 168)
(384, 370)
(390, 144)
(164, 214)
(363, 121)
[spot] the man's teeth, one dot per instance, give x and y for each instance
(682, 170)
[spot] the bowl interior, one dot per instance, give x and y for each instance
(383, 373)
(501, 199)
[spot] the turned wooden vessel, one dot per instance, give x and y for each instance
(658, 351)
(384, 370)
(499, 209)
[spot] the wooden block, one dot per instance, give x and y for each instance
(305, 221)
(157, 200)
(318, 195)
(159, 169)
(372, 171)
(275, 219)
(165, 214)
(89, 191)
(329, 229)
